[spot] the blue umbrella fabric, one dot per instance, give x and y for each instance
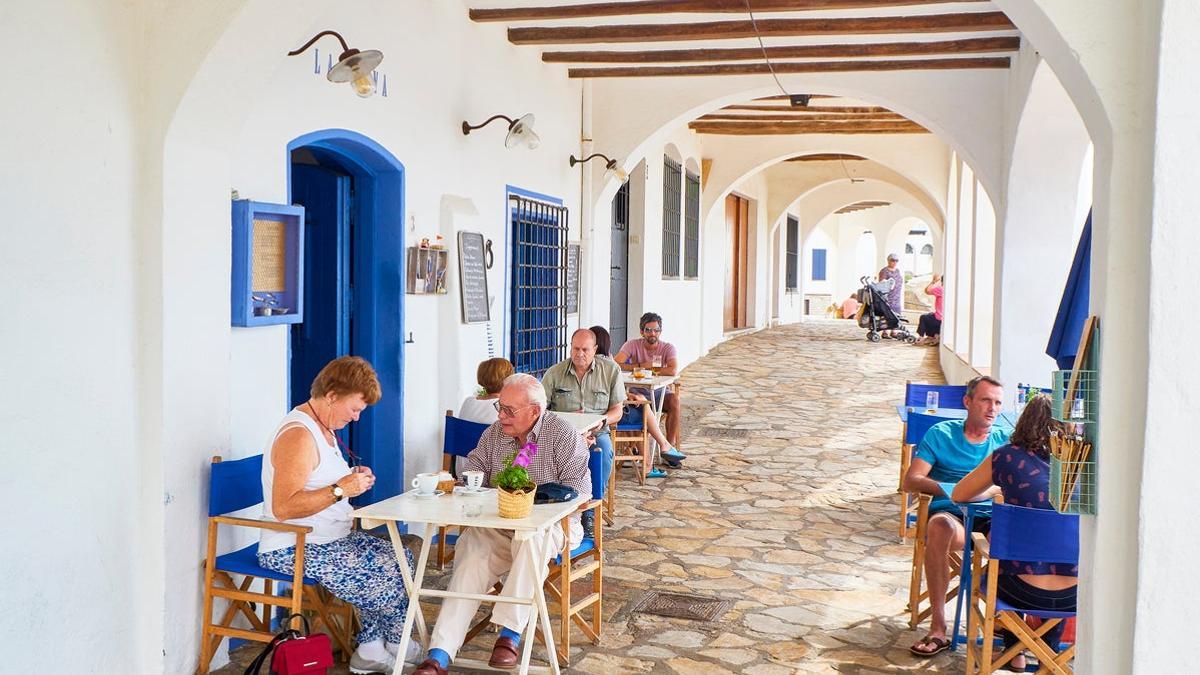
(1073, 308)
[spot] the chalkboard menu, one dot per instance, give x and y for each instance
(572, 278)
(472, 278)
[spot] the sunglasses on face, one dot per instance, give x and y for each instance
(651, 330)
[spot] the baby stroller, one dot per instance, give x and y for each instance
(877, 315)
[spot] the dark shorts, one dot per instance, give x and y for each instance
(633, 416)
(929, 325)
(982, 525)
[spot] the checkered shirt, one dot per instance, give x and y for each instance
(562, 456)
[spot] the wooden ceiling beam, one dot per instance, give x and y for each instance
(871, 49)
(811, 109)
(743, 28)
(862, 117)
(682, 7)
(776, 128)
(792, 67)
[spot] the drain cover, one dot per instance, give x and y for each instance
(721, 432)
(682, 606)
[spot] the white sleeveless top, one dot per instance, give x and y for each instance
(329, 524)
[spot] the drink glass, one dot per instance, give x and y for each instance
(656, 363)
(472, 509)
(931, 400)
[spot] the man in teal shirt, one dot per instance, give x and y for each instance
(949, 451)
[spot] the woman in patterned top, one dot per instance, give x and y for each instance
(1021, 470)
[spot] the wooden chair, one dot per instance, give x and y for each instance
(914, 431)
(586, 558)
(1017, 533)
(949, 396)
(458, 440)
(631, 443)
(237, 485)
(917, 595)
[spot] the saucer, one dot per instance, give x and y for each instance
(418, 495)
(462, 490)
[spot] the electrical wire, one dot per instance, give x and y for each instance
(754, 25)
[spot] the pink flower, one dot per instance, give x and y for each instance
(530, 449)
(521, 460)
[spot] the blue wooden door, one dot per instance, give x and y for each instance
(325, 333)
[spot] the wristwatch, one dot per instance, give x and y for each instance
(337, 491)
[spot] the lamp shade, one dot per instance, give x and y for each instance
(521, 132)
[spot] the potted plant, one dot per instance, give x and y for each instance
(515, 490)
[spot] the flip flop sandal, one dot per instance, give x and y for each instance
(674, 454)
(942, 644)
(656, 473)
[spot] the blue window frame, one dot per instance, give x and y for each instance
(538, 290)
(793, 254)
(818, 264)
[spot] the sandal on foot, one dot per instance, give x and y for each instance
(941, 644)
(674, 454)
(656, 473)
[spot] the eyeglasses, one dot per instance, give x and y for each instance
(651, 330)
(509, 411)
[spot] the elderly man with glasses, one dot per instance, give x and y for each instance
(583, 383)
(483, 555)
(650, 352)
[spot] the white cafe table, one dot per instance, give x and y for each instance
(582, 422)
(653, 384)
(448, 510)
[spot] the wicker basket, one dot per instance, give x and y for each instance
(513, 504)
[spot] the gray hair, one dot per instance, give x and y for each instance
(534, 391)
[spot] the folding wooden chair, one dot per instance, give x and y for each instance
(1017, 533)
(950, 396)
(914, 431)
(586, 558)
(237, 485)
(631, 443)
(459, 439)
(917, 595)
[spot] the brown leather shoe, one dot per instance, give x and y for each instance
(504, 654)
(430, 667)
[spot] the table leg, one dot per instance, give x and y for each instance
(413, 586)
(656, 406)
(530, 633)
(964, 579)
(539, 595)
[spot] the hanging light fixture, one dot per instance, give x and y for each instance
(609, 164)
(520, 130)
(353, 66)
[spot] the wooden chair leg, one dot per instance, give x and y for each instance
(206, 647)
(269, 589)
(441, 551)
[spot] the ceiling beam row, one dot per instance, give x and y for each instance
(793, 67)
(777, 128)
(684, 7)
(871, 49)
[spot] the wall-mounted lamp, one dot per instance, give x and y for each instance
(609, 164)
(353, 66)
(520, 130)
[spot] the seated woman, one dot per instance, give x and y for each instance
(482, 407)
(1021, 472)
(306, 481)
(634, 412)
(929, 326)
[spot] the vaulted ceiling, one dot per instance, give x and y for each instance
(698, 38)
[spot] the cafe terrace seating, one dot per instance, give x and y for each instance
(917, 595)
(460, 438)
(234, 486)
(1017, 534)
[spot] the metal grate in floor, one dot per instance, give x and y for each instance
(682, 606)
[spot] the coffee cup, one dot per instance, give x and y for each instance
(474, 479)
(425, 483)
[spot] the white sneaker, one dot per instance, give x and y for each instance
(362, 666)
(414, 654)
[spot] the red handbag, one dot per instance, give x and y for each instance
(295, 653)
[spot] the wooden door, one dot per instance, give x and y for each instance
(737, 268)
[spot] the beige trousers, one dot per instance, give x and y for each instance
(481, 557)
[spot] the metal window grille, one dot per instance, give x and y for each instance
(539, 285)
(672, 173)
(793, 254)
(691, 226)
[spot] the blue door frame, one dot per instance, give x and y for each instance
(377, 258)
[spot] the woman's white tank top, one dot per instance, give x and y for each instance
(327, 525)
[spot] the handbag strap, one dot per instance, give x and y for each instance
(287, 624)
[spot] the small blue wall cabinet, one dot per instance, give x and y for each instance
(268, 263)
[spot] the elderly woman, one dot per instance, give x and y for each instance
(1020, 472)
(895, 297)
(490, 375)
(306, 481)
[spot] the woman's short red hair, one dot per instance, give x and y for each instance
(347, 376)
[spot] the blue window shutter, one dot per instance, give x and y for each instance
(818, 264)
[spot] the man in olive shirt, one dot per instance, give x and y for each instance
(583, 383)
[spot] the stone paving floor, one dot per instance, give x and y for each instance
(786, 507)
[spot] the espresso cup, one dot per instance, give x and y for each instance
(426, 483)
(474, 479)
